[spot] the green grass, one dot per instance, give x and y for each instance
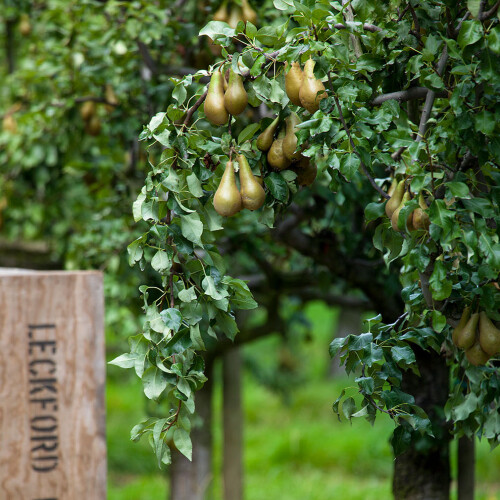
(294, 451)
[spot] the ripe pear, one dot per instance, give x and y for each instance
(293, 82)
(111, 98)
(252, 193)
(489, 335)
(235, 16)
(248, 13)
(467, 336)
(476, 356)
(461, 324)
(221, 13)
(392, 187)
(275, 156)
(214, 108)
(420, 217)
(308, 93)
(88, 110)
(395, 199)
(265, 139)
(235, 98)
(306, 171)
(93, 126)
(395, 215)
(9, 124)
(24, 25)
(290, 140)
(227, 198)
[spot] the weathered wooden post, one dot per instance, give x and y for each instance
(52, 376)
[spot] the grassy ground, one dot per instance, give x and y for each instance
(293, 451)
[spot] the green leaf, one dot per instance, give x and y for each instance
(277, 186)
(283, 4)
(226, 324)
(135, 251)
(182, 440)
(161, 262)
(211, 290)
(485, 122)
(215, 28)
(403, 356)
(172, 318)
(248, 132)
(194, 185)
(126, 360)
(154, 382)
(366, 384)
(439, 285)
(493, 39)
(348, 408)
(473, 6)
(192, 227)
(188, 294)
(242, 296)
(468, 406)
(458, 189)
(374, 210)
(470, 32)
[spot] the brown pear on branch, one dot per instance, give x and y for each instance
(235, 98)
(395, 200)
(489, 335)
(461, 325)
(88, 110)
(395, 215)
(290, 140)
(306, 171)
(293, 82)
(266, 138)
(467, 336)
(275, 156)
(308, 93)
(476, 356)
(248, 13)
(221, 13)
(252, 193)
(214, 107)
(420, 217)
(227, 198)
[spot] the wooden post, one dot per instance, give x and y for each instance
(52, 379)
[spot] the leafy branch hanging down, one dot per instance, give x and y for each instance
(370, 124)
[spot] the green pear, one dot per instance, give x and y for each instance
(252, 192)
(461, 324)
(476, 356)
(395, 199)
(235, 98)
(308, 93)
(395, 215)
(227, 199)
(266, 138)
(248, 13)
(214, 107)
(290, 140)
(293, 82)
(275, 156)
(467, 336)
(489, 335)
(221, 13)
(420, 217)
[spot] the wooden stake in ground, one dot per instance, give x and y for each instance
(52, 377)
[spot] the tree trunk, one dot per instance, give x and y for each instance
(232, 426)
(192, 480)
(423, 472)
(349, 322)
(466, 463)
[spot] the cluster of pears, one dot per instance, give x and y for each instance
(302, 87)
(399, 196)
(232, 13)
(228, 200)
(477, 335)
(225, 98)
(281, 149)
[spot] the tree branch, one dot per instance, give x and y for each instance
(490, 13)
(366, 27)
(405, 95)
(192, 110)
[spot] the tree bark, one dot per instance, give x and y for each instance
(466, 463)
(193, 480)
(423, 472)
(232, 426)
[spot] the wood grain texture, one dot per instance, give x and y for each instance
(52, 381)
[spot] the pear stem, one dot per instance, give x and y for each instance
(348, 132)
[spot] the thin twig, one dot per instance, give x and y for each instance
(491, 12)
(192, 110)
(405, 95)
